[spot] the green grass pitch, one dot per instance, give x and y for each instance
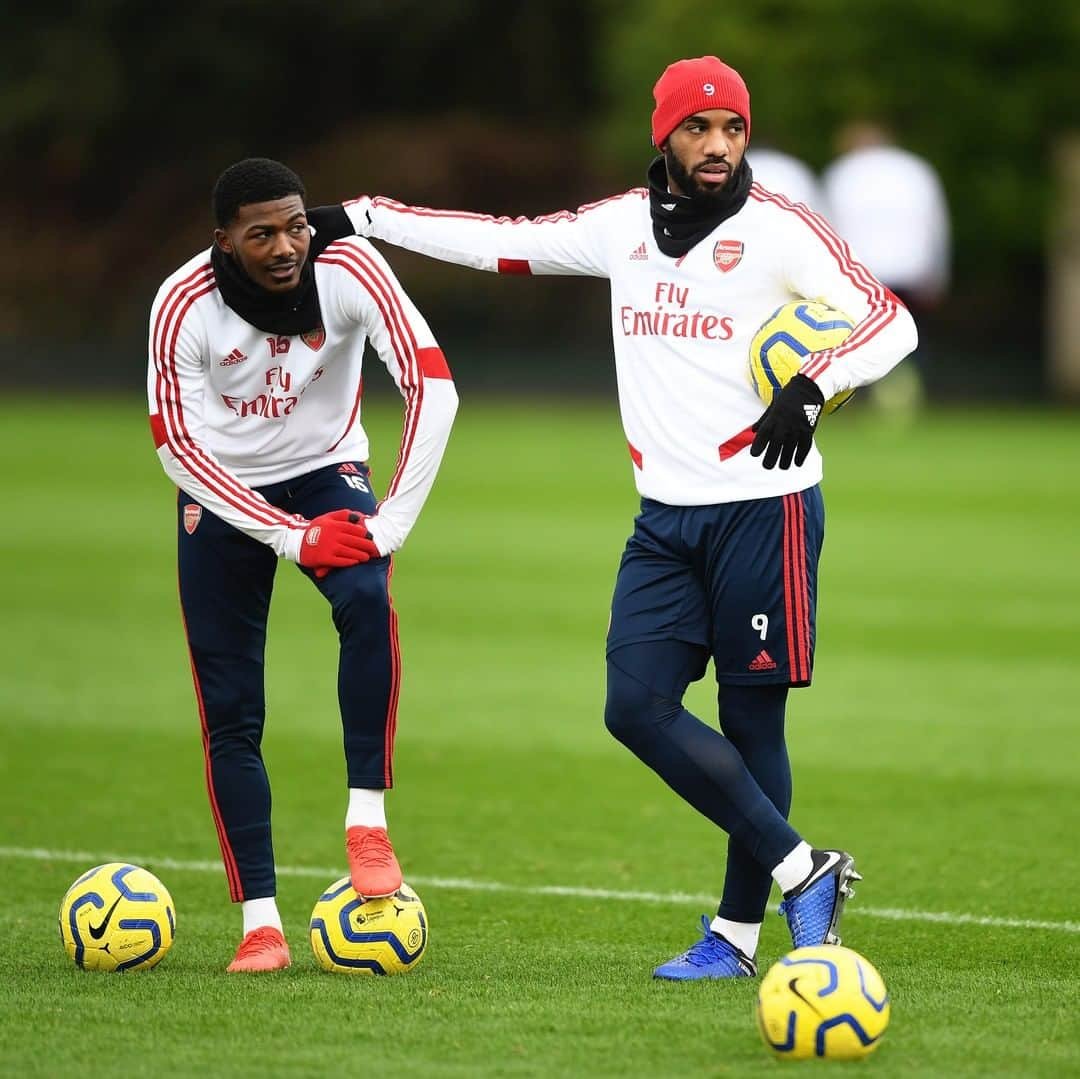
(939, 744)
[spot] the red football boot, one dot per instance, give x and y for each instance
(373, 866)
(261, 949)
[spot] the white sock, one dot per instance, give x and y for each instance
(744, 935)
(366, 808)
(795, 868)
(260, 912)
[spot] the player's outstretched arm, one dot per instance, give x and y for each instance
(566, 242)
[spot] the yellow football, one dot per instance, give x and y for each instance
(117, 917)
(787, 337)
(350, 935)
(822, 1002)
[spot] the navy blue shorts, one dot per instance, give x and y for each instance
(739, 579)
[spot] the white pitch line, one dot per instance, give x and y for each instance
(465, 885)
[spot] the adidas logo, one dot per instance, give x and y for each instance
(812, 413)
(236, 356)
(348, 469)
(639, 254)
(763, 662)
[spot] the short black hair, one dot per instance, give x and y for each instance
(255, 179)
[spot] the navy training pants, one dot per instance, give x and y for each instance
(226, 580)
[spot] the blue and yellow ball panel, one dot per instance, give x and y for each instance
(824, 1002)
(350, 935)
(784, 340)
(117, 917)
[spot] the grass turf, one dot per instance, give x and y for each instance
(939, 744)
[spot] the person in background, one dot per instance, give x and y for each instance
(787, 175)
(890, 205)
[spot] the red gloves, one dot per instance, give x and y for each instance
(337, 539)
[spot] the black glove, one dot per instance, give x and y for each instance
(785, 430)
(330, 223)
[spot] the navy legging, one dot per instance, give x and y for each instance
(740, 779)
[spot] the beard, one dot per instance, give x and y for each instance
(706, 197)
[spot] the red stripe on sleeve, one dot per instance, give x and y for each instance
(192, 456)
(883, 303)
(635, 454)
(433, 363)
(402, 340)
(893, 298)
(514, 266)
(157, 429)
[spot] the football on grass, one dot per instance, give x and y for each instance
(826, 1002)
(117, 917)
(350, 935)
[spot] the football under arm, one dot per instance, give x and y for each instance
(823, 268)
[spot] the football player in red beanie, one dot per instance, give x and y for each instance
(722, 561)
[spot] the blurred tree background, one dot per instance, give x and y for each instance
(116, 117)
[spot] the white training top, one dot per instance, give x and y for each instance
(890, 205)
(682, 327)
(232, 407)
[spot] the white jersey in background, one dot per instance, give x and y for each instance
(682, 326)
(891, 205)
(788, 176)
(233, 407)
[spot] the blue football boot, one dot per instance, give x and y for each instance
(713, 956)
(813, 909)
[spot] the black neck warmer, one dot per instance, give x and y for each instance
(690, 220)
(286, 314)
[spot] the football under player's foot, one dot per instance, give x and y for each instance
(713, 956)
(262, 949)
(373, 866)
(813, 908)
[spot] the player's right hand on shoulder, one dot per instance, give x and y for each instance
(336, 539)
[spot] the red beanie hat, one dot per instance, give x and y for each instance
(689, 86)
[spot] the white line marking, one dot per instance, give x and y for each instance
(464, 885)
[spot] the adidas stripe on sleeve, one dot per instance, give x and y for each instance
(821, 266)
(399, 334)
(176, 382)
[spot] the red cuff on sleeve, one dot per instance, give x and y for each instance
(433, 363)
(514, 266)
(157, 429)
